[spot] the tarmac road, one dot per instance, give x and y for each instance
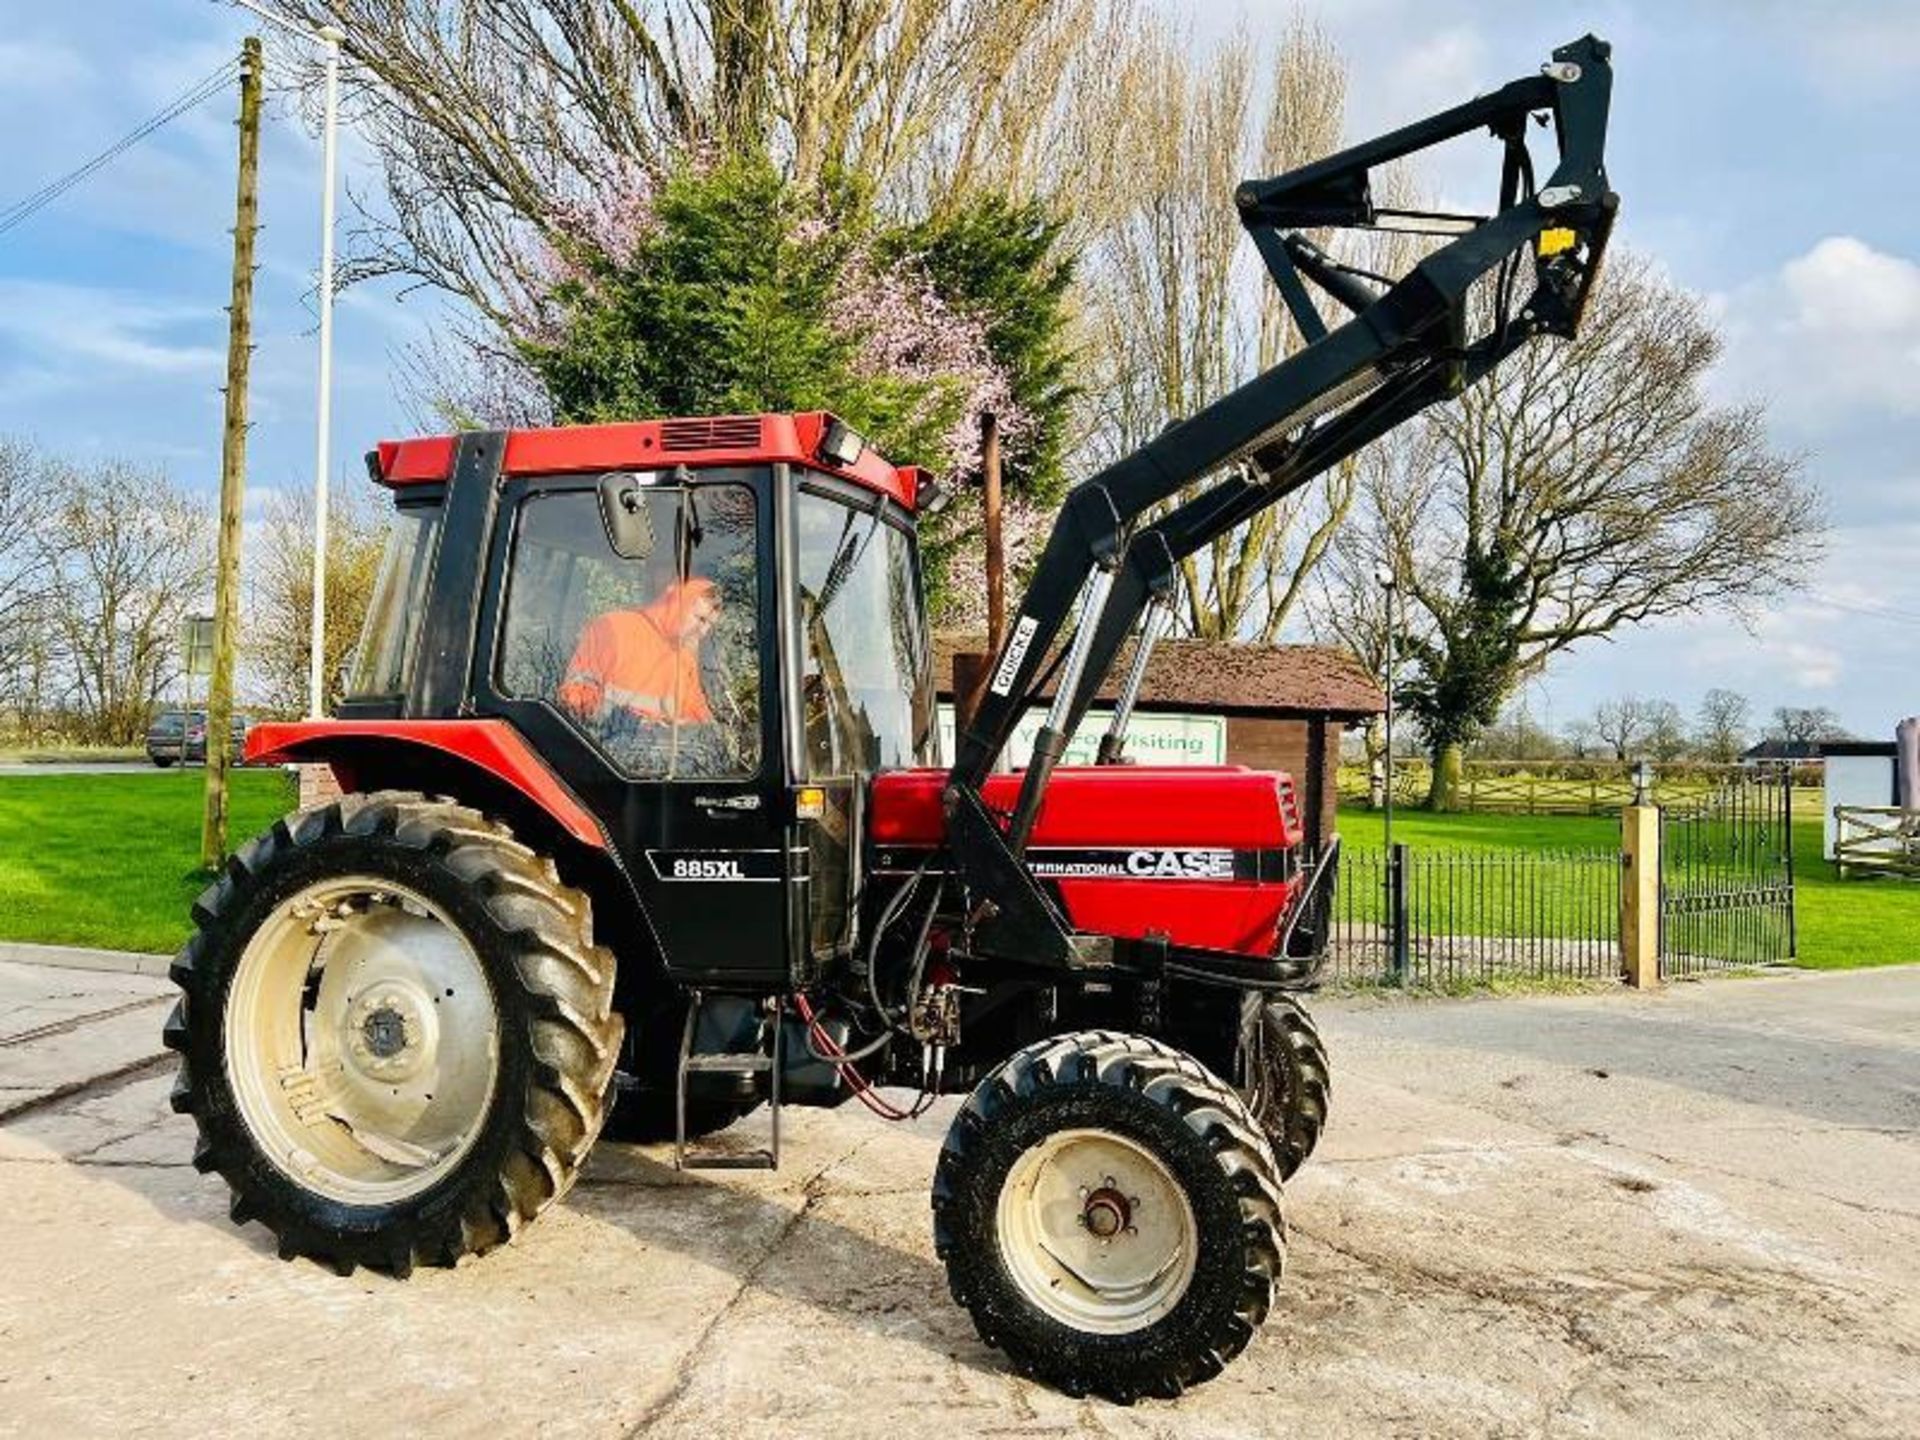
(1697, 1212)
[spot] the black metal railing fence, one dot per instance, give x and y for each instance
(1726, 876)
(1444, 918)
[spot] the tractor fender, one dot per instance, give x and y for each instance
(486, 763)
(492, 746)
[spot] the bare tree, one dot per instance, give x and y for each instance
(1622, 724)
(25, 506)
(1516, 735)
(1802, 725)
(280, 591)
(517, 136)
(1585, 486)
(1352, 608)
(1633, 728)
(129, 556)
(1666, 732)
(1173, 280)
(1721, 731)
(1580, 735)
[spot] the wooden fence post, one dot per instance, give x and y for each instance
(1640, 895)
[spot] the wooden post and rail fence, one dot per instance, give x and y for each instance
(1877, 840)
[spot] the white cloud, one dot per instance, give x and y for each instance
(1833, 331)
(1844, 286)
(80, 328)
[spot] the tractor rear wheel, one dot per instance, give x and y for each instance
(1285, 1078)
(1110, 1214)
(396, 1032)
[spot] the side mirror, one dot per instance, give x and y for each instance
(627, 516)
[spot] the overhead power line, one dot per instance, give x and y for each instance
(25, 208)
(1867, 610)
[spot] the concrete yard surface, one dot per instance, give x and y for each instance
(1696, 1212)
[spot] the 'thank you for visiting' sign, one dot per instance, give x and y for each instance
(1151, 739)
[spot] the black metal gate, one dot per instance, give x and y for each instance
(1726, 875)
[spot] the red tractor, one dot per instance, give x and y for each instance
(643, 826)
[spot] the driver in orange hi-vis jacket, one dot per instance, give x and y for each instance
(647, 660)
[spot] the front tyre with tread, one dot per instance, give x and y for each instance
(1285, 1078)
(1177, 1173)
(292, 1106)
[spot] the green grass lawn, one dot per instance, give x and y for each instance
(1842, 923)
(1845, 923)
(113, 860)
(1365, 830)
(1488, 875)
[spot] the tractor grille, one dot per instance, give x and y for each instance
(727, 433)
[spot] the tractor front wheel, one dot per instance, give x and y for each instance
(1285, 1078)
(396, 1032)
(1110, 1214)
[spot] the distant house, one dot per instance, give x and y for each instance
(1776, 750)
(1279, 707)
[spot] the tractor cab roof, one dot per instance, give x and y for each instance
(814, 439)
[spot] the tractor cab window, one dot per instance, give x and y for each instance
(867, 677)
(384, 658)
(654, 655)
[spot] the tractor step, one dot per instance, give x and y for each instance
(750, 1062)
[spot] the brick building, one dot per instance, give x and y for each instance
(1285, 706)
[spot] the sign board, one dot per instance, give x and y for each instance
(1151, 739)
(196, 644)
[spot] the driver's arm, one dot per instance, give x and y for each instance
(583, 689)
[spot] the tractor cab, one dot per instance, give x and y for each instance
(711, 632)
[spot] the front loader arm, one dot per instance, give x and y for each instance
(1402, 349)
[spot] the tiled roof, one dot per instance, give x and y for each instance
(1208, 675)
(1775, 749)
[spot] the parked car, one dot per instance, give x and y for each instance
(181, 735)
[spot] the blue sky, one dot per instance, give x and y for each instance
(1763, 150)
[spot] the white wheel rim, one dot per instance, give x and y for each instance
(1096, 1232)
(362, 1041)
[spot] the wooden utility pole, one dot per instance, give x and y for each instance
(233, 464)
(996, 544)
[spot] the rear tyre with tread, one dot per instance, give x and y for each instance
(1177, 1175)
(1285, 1078)
(341, 1171)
